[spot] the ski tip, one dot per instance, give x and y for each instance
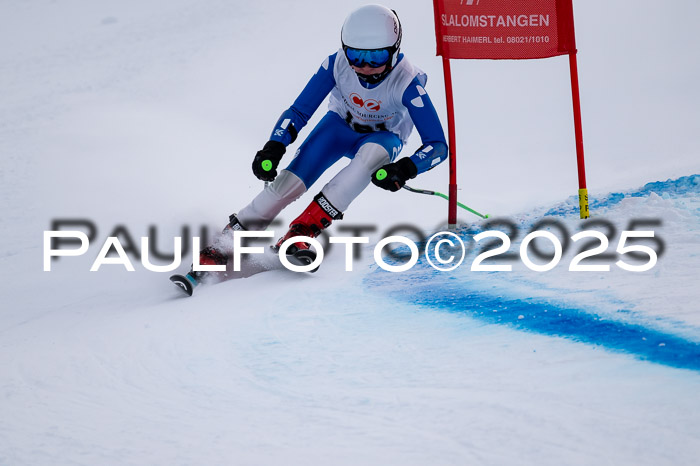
(303, 257)
(184, 283)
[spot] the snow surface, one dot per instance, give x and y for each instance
(136, 114)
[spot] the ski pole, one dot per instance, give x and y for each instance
(444, 196)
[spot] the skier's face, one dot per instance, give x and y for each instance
(368, 70)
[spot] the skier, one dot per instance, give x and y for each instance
(376, 97)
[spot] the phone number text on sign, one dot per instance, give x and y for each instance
(527, 39)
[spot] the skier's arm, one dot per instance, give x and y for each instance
(295, 117)
(293, 120)
(433, 149)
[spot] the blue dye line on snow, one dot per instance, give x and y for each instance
(420, 286)
(575, 324)
(682, 186)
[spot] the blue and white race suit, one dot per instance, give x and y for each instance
(368, 124)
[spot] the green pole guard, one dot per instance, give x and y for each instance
(444, 196)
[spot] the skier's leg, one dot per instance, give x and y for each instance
(374, 151)
(354, 178)
(257, 215)
(264, 207)
(329, 141)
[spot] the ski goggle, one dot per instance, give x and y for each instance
(374, 58)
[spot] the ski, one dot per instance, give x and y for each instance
(249, 266)
(186, 283)
(303, 257)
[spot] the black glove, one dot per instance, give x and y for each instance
(267, 159)
(394, 175)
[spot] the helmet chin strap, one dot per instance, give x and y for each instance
(373, 78)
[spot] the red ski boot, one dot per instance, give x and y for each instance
(317, 217)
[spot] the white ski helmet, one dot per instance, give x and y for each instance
(372, 34)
